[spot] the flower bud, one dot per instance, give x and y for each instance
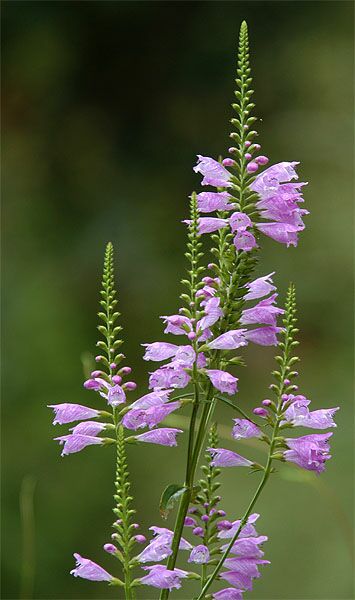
(135, 525)
(247, 144)
(257, 146)
(130, 386)
(140, 539)
(221, 513)
(198, 531)
(110, 548)
(205, 518)
(231, 150)
(126, 370)
(189, 522)
(113, 366)
(261, 160)
(261, 412)
(247, 155)
(252, 167)
(224, 525)
(96, 373)
(266, 402)
(117, 379)
(228, 162)
(98, 358)
(191, 335)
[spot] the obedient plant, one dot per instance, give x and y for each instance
(224, 308)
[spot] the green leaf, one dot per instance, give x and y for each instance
(168, 498)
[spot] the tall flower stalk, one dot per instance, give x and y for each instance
(224, 309)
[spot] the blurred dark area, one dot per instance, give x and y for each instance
(105, 106)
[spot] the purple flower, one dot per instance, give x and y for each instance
(158, 549)
(264, 336)
(76, 442)
(223, 381)
(169, 376)
(201, 361)
(239, 580)
(226, 458)
(244, 428)
(248, 547)
(185, 357)
(159, 532)
(208, 224)
(244, 240)
(164, 436)
(246, 566)
(260, 287)
(230, 340)
(66, 413)
(114, 394)
(177, 324)
(211, 201)
(87, 569)
(199, 554)
(163, 578)
(239, 221)
(247, 531)
(269, 179)
(228, 594)
(213, 172)
(213, 313)
(189, 522)
(263, 312)
(281, 232)
(152, 399)
(88, 428)
(298, 415)
(159, 351)
(309, 451)
(150, 417)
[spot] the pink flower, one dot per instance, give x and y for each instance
(169, 376)
(281, 232)
(213, 313)
(264, 336)
(152, 399)
(298, 414)
(163, 437)
(177, 324)
(248, 547)
(228, 594)
(76, 442)
(260, 287)
(226, 458)
(244, 428)
(269, 179)
(223, 381)
(150, 417)
(208, 224)
(213, 172)
(309, 451)
(66, 413)
(162, 578)
(212, 201)
(239, 221)
(158, 549)
(244, 240)
(230, 340)
(159, 351)
(199, 555)
(87, 569)
(263, 312)
(88, 428)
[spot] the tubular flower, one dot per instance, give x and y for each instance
(260, 287)
(163, 436)
(309, 451)
(169, 377)
(279, 203)
(298, 414)
(199, 555)
(213, 172)
(226, 458)
(87, 569)
(223, 381)
(67, 413)
(163, 578)
(212, 201)
(150, 417)
(76, 442)
(244, 428)
(263, 312)
(228, 594)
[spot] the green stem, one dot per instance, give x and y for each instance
(244, 519)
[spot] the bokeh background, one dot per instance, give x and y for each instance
(106, 105)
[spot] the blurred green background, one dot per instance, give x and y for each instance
(106, 105)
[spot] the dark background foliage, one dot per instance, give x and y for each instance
(106, 105)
